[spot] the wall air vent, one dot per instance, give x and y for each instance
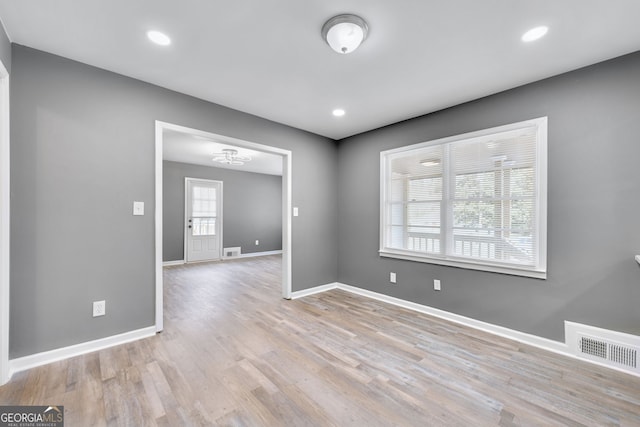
(611, 348)
(593, 347)
(608, 351)
(232, 252)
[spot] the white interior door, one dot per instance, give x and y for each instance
(203, 228)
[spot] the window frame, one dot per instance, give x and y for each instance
(539, 270)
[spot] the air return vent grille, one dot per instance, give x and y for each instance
(611, 348)
(593, 347)
(608, 351)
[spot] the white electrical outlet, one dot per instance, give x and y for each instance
(392, 277)
(257, 242)
(99, 308)
(436, 285)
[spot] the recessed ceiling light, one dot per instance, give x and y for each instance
(338, 112)
(535, 33)
(159, 38)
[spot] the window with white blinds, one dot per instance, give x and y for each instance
(476, 200)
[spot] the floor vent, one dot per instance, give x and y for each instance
(231, 252)
(607, 347)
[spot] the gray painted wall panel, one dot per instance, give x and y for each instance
(252, 207)
(594, 201)
(5, 49)
(82, 142)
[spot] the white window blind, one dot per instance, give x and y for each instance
(476, 200)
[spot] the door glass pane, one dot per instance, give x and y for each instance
(203, 210)
(203, 201)
(203, 226)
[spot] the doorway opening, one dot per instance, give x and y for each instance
(162, 130)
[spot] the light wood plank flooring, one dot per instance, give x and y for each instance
(234, 353)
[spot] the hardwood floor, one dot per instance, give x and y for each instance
(234, 353)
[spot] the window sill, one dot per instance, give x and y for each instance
(469, 265)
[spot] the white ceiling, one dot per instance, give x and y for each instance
(187, 148)
(267, 57)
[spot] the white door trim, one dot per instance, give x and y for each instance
(5, 229)
(220, 218)
(160, 127)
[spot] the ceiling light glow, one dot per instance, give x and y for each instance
(338, 112)
(534, 34)
(159, 38)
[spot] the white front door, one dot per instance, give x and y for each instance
(203, 215)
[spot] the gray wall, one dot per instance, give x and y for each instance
(593, 207)
(252, 208)
(5, 49)
(82, 150)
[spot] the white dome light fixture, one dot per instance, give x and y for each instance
(344, 33)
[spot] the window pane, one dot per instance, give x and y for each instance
(475, 214)
(397, 190)
(396, 237)
(475, 243)
(423, 214)
(521, 214)
(475, 185)
(425, 189)
(397, 214)
(522, 182)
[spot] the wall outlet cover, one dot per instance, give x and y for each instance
(99, 308)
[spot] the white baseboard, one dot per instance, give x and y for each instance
(253, 254)
(316, 290)
(46, 357)
(170, 263)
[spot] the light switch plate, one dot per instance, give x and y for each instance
(295, 211)
(138, 208)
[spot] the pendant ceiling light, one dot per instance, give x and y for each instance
(229, 156)
(344, 33)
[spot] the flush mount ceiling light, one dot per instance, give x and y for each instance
(430, 162)
(535, 33)
(229, 156)
(338, 112)
(344, 33)
(159, 38)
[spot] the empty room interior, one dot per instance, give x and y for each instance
(323, 213)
